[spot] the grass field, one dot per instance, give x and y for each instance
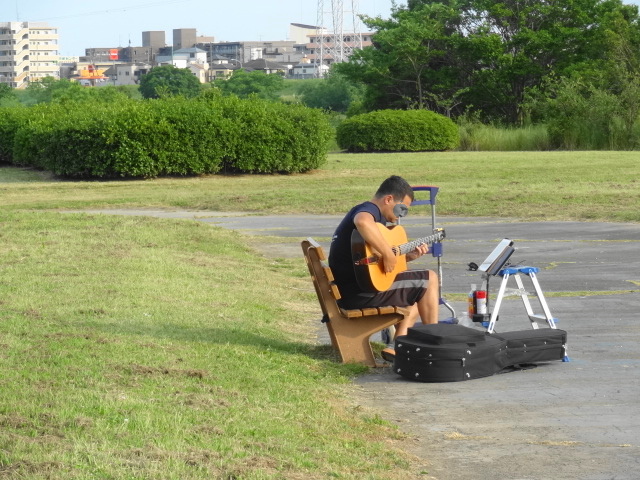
(527, 185)
(141, 348)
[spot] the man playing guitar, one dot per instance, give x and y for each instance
(410, 288)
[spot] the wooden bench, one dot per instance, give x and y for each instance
(349, 330)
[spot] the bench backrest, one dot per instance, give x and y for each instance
(322, 277)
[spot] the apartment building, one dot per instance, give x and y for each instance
(28, 52)
(282, 51)
(327, 43)
(121, 54)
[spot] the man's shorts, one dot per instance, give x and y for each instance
(408, 288)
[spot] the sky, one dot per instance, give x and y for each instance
(119, 23)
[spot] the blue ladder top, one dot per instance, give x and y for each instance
(518, 269)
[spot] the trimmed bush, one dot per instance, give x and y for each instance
(11, 119)
(89, 141)
(171, 136)
(270, 137)
(397, 131)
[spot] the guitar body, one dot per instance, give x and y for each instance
(372, 277)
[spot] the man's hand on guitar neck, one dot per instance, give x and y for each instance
(421, 250)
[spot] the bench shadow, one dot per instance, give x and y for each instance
(233, 335)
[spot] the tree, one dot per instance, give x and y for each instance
(596, 107)
(256, 82)
(624, 66)
(334, 93)
(484, 55)
(5, 91)
(42, 91)
(409, 65)
(167, 80)
(535, 38)
(50, 90)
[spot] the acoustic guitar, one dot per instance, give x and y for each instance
(367, 263)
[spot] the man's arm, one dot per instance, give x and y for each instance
(367, 227)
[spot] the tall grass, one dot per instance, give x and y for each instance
(578, 134)
(586, 135)
(480, 137)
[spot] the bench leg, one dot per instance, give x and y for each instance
(352, 337)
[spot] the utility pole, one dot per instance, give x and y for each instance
(334, 44)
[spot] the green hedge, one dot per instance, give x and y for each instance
(397, 131)
(272, 137)
(173, 136)
(11, 118)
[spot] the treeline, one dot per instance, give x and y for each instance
(511, 74)
(108, 135)
(570, 65)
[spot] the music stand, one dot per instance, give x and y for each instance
(491, 266)
(497, 259)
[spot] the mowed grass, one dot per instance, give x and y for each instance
(146, 348)
(141, 348)
(527, 185)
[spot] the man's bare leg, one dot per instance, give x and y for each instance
(409, 320)
(427, 308)
(429, 304)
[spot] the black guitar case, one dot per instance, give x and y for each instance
(453, 353)
(532, 346)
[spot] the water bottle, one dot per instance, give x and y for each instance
(464, 320)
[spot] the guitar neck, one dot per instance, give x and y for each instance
(364, 257)
(411, 246)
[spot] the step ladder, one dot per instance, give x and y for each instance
(517, 272)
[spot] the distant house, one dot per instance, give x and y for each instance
(305, 69)
(181, 58)
(218, 60)
(219, 72)
(129, 73)
(267, 67)
(200, 71)
(192, 58)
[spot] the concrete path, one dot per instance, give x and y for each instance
(576, 420)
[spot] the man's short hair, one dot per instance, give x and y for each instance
(396, 186)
